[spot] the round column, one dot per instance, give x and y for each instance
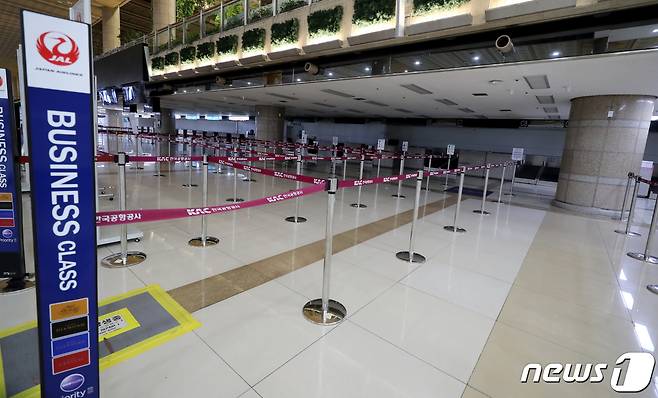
(269, 123)
(164, 13)
(605, 140)
(111, 28)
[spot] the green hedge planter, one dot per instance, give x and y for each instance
(157, 63)
(325, 22)
(292, 5)
(427, 6)
(285, 32)
(205, 50)
(369, 12)
(191, 37)
(227, 45)
(253, 39)
(260, 13)
(171, 59)
(187, 54)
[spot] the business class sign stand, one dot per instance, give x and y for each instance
(58, 83)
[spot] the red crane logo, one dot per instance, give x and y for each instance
(58, 48)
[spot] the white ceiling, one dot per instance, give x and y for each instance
(621, 73)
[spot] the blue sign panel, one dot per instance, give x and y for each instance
(11, 245)
(57, 63)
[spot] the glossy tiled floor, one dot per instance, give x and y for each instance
(523, 285)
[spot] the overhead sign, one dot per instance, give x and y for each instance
(334, 141)
(81, 11)
(381, 144)
(517, 154)
(451, 150)
(405, 146)
(12, 263)
(58, 97)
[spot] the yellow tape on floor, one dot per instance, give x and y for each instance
(186, 323)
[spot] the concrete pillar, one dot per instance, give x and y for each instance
(269, 123)
(605, 140)
(114, 118)
(164, 13)
(111, 28)
(167, 122)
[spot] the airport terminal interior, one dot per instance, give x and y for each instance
(328, 198)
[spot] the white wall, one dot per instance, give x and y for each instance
(223, 126)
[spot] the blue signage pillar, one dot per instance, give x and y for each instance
(59, 104)
(12, 260)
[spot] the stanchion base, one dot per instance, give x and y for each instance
(15, 285)
(398, 196)
(336, 312)
(483, 212)
(235, 200)
(116, 260)
(248, 180)
(452, 228)
(159, 175)
(642, 257)
(198, 242)
(136, 168)
(190, 185)
(358, 205)
(296, 219)
(629, 233)
(404, 256)
(509, 194)
(653, 289)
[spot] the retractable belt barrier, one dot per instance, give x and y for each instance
(107, 218)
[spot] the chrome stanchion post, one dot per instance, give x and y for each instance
(296, 218)
(628, 187)
(631, 212)
(399, 194)
(189, 173)
(344, 165)
(333, 161)
(484, 194)
(358, 203)
(447, 174)
(125, 258)
(645, 256)
(324, 311)
(204, 240)
(235, 182)
(250, 154)
(502, 182)
(455, 227)
(158, 172)
(379, 162)
(511, 187)
(429, 171)
(411, 256)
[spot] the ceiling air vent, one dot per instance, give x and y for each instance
(282, 96)
(539, 82)
(325, 105)
(416, 89)
(545, 99)
(375, 103)
(480, 95)
(467, 110)
(403, 110)
(446, 101)
(337, 93)
(551, 109)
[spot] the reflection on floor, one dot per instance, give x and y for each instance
(524, 285)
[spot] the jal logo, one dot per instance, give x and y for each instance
(72, 382)
(1, 82)
(58, 48)
(7, 233)
(632, 373)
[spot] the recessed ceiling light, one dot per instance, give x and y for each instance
(406, 71)
(556, 54)
(495, 82)
(367, 69)
(185, 91)
(330, 74)
(299, 80)
(417, 63)
(476, 58)
(655, 30)
(249, 83)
